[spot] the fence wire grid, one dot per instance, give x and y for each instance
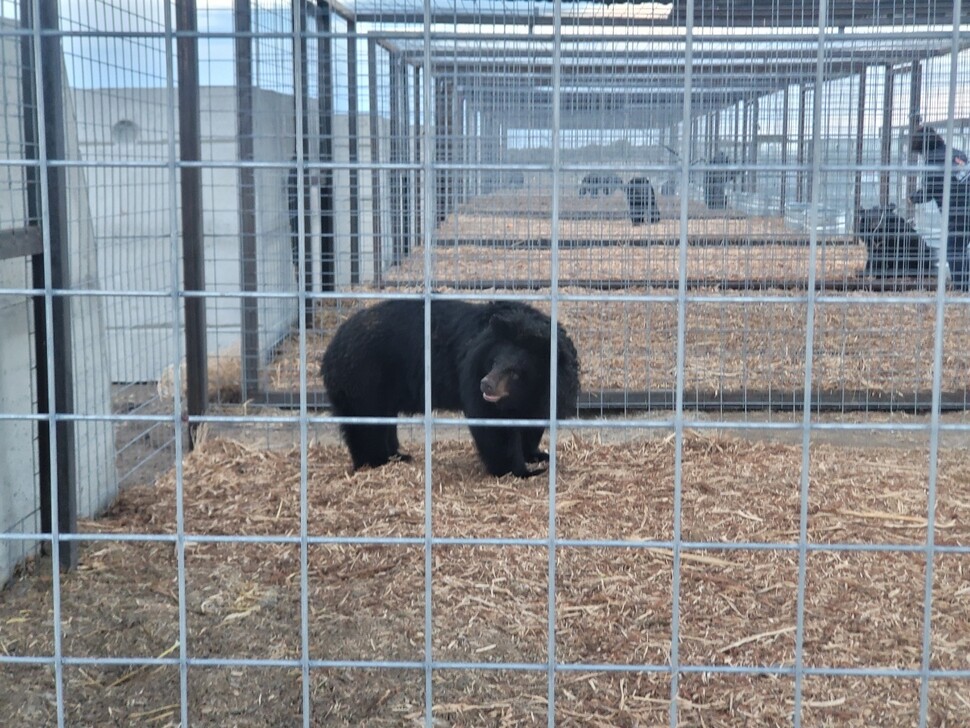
(756, 510)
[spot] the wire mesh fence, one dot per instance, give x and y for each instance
(753, 510)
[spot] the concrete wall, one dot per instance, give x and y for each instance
(273, 132)
(19, 458)
(94, 441)
(132, 219)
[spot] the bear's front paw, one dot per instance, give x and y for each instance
(538, 457)
(527, 473)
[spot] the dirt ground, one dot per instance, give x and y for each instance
(489, 603)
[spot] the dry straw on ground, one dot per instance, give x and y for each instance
(470, 226)
(627, 266)
(751, 346)
(223, 377)
(527, 215)
(861, 346)
(489, 239)
(862, 610)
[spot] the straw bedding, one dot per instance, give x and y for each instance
(489, 603)
(528, 215)
(754, 346)
(862, 347)
(757, 265)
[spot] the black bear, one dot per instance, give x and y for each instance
(716, 182)
(893, 247)
(487, 360)
(642, 201)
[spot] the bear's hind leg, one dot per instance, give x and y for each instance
(368, 444)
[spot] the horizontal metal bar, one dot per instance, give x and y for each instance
(310, 166)
(723, 284)
(788, 401)
(565, 667)
(746, 39)
(456, 541)
(525, 294)
(853, 38)
(611, 423)
(641, 240)
(619, 400)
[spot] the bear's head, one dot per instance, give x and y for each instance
(514, 377)
(925, 139)
(507, 363)
(517, 361)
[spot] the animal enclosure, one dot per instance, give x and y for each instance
(754, 511)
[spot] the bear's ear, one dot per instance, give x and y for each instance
(502, 327)
(520, 330)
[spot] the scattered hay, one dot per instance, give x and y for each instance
(517, 216)
(496, 226)
(737, 607)
(749, 347)
(224, 375)
(757, 266)
(745, 349)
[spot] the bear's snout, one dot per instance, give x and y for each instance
(489, 392)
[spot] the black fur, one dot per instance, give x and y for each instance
(893, 247)
(374, 367)
(642, 201)
(716, 182)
